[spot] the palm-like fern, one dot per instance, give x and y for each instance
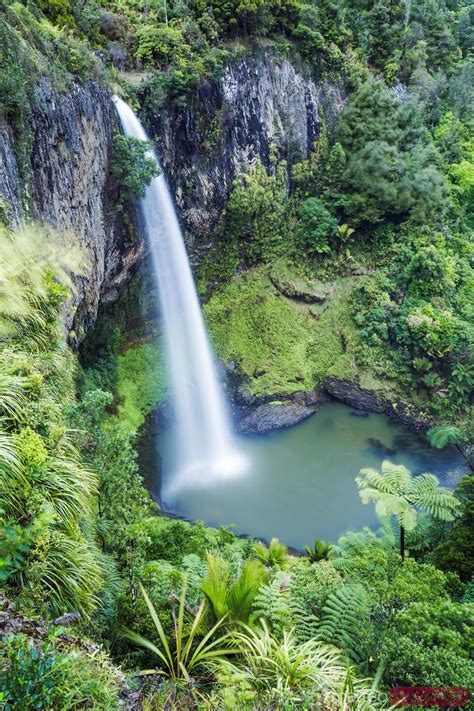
(11, 395)
(280, 672)
(64, 483)
(44, 489)
(273, 556)
(28, 256)
(396, 492)
(443, 435)
(228, 596)
(320, 550)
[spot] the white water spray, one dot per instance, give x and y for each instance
(206, 447)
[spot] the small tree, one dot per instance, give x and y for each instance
(396, 492)
(316, 226)
(132, 166)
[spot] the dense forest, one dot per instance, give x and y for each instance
(107, 604)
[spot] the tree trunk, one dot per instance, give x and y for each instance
(402, 542)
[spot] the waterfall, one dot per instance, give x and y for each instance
(204, 434)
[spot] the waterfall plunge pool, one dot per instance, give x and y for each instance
(300, 482)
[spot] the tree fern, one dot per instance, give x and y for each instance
(426, 493)
(396, 492)
(342, 620)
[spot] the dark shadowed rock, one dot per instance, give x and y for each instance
(72, 189)
(363, 399)
(269, 416)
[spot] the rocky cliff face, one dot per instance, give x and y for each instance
(71, 188)
(258, 102)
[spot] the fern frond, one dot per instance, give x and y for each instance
(272, 603)
(342, 619)
(426, 493)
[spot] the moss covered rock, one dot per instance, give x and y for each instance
(279, 345)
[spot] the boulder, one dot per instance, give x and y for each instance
(273, 416)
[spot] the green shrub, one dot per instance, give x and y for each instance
(41, 677)
(171, 540)
(412, 663)
(257, 219)
(60, 12)
(443, 624)
(132, 166)
(456, 553)
(316, 226)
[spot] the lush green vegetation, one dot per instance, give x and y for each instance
(132, 168)
(354, 262)
(376, 202)
(281, 346)
(230, 622)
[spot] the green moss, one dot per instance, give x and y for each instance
(279, 344)
(335, 340)
(140, 382)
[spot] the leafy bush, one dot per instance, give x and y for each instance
(316, 226)
(408, 661)
(132, 166)
(456, 553)
(443, 624)
(34, 677)
(60, 12)
(171, 540)
(256, 219)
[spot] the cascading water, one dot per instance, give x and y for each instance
(204, 435)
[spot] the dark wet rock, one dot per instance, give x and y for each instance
(268, 417)
(67, 619)
(359, 413)
(72, 189)
(363, 399)
(380, 448)
(263, 414)
(10, 203)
